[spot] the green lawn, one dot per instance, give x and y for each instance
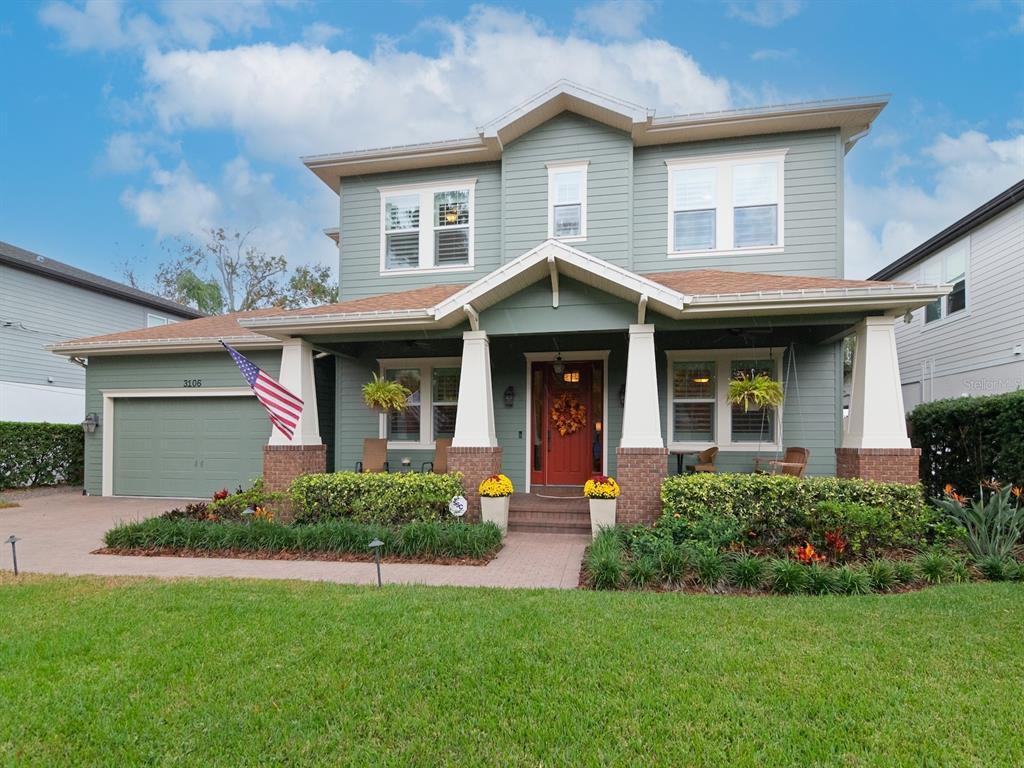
(237, 673)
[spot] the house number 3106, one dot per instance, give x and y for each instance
(193, 383)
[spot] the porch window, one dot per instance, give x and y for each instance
(725, 203)
(427, 227)
(430, 412)
(567, 200)
(949, 266)
(693, 402)
(699, 413)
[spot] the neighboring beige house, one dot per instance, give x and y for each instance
(972, 341)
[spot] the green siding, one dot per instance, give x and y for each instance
(813, 206)
(361, 230)
(156, 371)
(524, 178)
(580, 308)
(187, 446)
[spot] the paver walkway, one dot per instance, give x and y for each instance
(60, 530)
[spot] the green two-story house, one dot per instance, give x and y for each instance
(566, 293)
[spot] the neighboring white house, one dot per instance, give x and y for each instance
(44, 302)
(972, 341)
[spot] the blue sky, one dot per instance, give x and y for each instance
(125, 125)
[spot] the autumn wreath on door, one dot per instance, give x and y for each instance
(568, 414)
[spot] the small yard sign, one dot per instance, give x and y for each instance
(457, 506)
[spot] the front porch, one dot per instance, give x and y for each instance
(559, 367)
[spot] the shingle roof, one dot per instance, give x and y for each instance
(19, 258)
(696, 282)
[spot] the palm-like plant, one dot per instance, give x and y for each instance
(992, 525)
(756, 391)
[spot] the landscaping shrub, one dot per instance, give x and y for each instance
(673, 562)
(852, 581)
(40, 454)
(821, 580)
(787, 577)
(991, 524)
(966, 440)
(745, 571)
(935, 567)
(603, 560)
(420, 539)
(770, 513)
(374, 497)
(642, 571)
(882, 574)
(708, 566)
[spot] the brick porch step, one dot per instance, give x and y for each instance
(534, 514)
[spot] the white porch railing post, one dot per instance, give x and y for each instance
(474, 418)
(297, 377)
(876, 418)
(641, 416)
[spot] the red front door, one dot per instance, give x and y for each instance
(567, 429)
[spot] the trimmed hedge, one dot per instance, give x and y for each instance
(40, 454)
(374, 497)
(773, 512)
(969, 439)
(421, 539)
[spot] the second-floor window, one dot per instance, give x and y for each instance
(567, 200)
(948, 266)
(725, 203)
(427, 227)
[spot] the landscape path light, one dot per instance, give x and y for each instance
(375, 545)
(12, 540)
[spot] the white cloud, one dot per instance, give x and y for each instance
(285, 101)
(885, 221)
(318, 33)
(764, 13)
(616, 19)
(773, 54)
(125, 153)
(177, 203)
(107, 25)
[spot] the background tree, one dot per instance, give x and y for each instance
(225, 272)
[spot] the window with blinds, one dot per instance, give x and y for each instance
(567, 200)
(693, 402)
(756, 425)
(433, 403)
(725, 203)
(427, 227)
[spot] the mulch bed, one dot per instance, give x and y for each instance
(346, 557)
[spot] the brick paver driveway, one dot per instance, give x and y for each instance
(60, 530)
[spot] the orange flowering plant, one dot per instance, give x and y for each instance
(993, 523)
(601, 487)
(807, 554)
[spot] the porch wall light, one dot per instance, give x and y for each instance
(91, 422)
(510, 396)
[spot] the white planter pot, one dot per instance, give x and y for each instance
(494, 509)
(602, 514)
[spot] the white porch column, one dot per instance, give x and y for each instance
(474, 419)
(641, 417)
(876, 417)
(297, 377)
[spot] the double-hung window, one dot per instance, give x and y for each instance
(430, 410)
(699, 412)
(725, 203)
(427, 226)
(567, 200)
(948, 266)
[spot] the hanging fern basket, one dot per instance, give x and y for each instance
(384, 395)
(755, 392)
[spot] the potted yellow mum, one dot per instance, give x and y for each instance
(494, 498)
(602, 492)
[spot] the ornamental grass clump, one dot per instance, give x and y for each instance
(821, 580)
(935, 567)
(882, 574)
(642, 571)
(852, 581)
(604, 561)
(709, 567)
(745, 570)
(673, 563)
(495, 486)
(787, 577)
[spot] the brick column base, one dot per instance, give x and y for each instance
(640, 472)
(883, 465)
(475, 464)
(283, 463)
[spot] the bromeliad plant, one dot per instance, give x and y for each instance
(496, 486)
(385, 395)
(992, 524)
(601, 487)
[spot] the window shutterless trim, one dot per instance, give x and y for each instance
(554, 168)
(427, 228)
(724, 207)
(426, 366)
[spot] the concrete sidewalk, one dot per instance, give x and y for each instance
(60, 530)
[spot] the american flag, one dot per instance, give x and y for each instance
(282, 406)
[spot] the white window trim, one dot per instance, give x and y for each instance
(568, 165)
(722, 358)
(155, 321)
(426, 193)
(425, 366)
(945, 317)
(724, 202)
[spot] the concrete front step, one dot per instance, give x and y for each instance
(566, 520)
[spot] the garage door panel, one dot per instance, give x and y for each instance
(159, 441)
